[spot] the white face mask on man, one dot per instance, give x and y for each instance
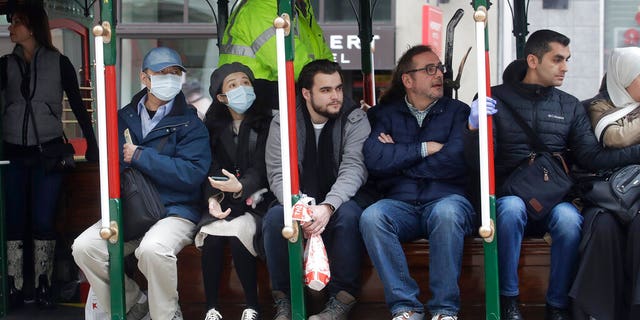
(165, 86)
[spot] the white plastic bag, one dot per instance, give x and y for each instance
(92, 310)
(316, 264)
(301, 211)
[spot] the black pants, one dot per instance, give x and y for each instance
(606, 285)
(213, 263)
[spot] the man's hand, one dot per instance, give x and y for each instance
(128, 149)
(364, 106)
(216, 211)
(320, 215)
(473, 115)
(433, 147)
(231, 185)
(385, 138)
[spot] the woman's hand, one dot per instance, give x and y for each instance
(216, 211)
(231, 185)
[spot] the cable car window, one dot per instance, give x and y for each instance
(341, 11)
(145, 11)
(200, 11)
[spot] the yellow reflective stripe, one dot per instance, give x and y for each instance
(249, 51)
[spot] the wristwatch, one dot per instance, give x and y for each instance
(331, 207)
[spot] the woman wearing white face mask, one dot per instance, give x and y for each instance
(238, 128)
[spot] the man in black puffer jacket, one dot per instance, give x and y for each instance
(561, 123)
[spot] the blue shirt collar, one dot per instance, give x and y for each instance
(149, 123)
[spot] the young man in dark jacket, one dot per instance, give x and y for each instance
(562, 124)
(331, 132)
(170, 145)
(415, 152)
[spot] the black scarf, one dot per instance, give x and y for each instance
(319, 171)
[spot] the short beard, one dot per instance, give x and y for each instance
(324, 113)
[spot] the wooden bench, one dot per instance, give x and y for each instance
(80, 208)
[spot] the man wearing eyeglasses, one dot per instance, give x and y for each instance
(415, 152)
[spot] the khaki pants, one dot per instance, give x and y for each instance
(156, 253)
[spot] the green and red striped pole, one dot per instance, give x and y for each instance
(289, 149)
(107, 108)
(366, 36)
(487, 176)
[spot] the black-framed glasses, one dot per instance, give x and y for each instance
(431, 69)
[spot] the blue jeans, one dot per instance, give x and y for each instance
(341, 239)
(564, 223)
(29, 190)
(444, 222)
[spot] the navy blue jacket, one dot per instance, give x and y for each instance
(557, 117)
(399, 168)
(180, 167)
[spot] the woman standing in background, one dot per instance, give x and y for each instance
(33, 78)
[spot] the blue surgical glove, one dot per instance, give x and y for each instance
(473, 115)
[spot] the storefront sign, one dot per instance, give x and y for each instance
(432, 28)
(345, 45)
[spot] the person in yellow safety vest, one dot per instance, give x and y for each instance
(249, 38)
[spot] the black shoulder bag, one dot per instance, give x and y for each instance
(617, 191)
(542, 180)
(142, 206)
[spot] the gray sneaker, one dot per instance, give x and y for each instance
(283, 306)
(337, 308)
(140, 309)
(408, 315)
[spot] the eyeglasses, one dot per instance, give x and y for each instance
(431, 69)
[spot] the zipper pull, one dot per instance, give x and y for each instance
(546, 175)
(532, 157)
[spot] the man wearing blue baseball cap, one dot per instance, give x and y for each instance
(170, 145)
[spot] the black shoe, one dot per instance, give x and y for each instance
(16, 297)
(44, 298)
(509, 309)
(554, 313)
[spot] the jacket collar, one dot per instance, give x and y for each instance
(179, 103)
(513, 75)
(180, 109)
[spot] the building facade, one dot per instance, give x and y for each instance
(189, 26)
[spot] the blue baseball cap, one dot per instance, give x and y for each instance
(161, 57)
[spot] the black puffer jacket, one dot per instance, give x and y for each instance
(559, 119)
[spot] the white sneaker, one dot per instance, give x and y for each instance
(444, 317)
(213, 314)
(249, 314)
(408, 315)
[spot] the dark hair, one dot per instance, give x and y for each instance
(396, 90)
(35, 18)
(305, 79)
(538, 42)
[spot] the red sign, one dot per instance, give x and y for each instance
(432, 28)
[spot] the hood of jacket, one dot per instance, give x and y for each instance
(513, 76)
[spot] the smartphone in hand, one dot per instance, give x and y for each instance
(219, 178)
